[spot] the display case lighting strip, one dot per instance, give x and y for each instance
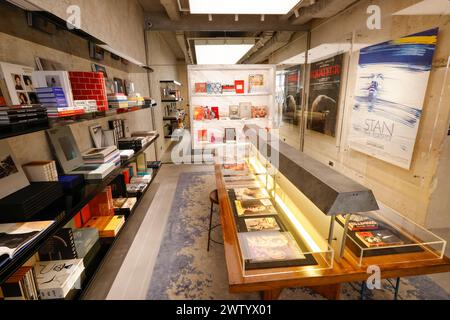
(312, 244)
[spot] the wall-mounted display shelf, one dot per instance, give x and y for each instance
(63, 211)
(9, 131)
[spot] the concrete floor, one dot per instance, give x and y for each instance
(127, 272)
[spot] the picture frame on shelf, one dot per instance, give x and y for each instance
(96, 132)
(47, 65)
(256, 83)
(12, 176)
(230, 135)
(119, 86)
(99, 68)
(65, 148)
(95, 52)
(17, 83)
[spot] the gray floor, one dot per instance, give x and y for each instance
(128, 275)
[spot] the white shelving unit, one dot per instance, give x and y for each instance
(228, 74)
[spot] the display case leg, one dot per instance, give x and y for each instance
(397, 289)
(271, 294)
(363, 290)
(331, 292)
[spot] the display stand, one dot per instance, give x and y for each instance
(312, 203)
(229, 90)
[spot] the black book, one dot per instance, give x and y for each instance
(61, 246)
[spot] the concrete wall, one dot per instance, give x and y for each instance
(407, 191)
(165, 65)
(119, 23)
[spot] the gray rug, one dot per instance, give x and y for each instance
(185, 270)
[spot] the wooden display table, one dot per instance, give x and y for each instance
(326, 282)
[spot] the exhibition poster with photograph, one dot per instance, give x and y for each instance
(324, 92)
(390, 92)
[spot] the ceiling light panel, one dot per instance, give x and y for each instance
(221, 53)
(242, 6)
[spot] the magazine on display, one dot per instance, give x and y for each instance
(262, 207)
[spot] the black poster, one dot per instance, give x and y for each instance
(324, 91)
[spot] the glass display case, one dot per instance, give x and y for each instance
(328, 215)
(386, 237)
(273, 234)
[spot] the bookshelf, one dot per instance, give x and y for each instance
(228, 75)
(64, 210)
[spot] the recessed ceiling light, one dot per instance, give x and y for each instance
(241, 6)
(221, 53)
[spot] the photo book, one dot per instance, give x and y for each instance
(17, 84)
(12, 176)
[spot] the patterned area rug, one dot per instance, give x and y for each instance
(185, 270)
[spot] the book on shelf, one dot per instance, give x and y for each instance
(60, 246)
(55, 279)
(16, 236)
(85, 239)
(21, 285)
(359, 223)
(37, 171)
(254, 207)
(98, 153)
(113, 158)
(108, 227)
(379, 238)
(126, 154)
(141, 179)
(124, 205)
(102, 204)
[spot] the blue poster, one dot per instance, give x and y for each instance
(390, 92)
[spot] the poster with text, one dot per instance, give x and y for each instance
(390, 92)
(324, 91)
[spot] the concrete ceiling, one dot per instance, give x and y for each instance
(271, 32)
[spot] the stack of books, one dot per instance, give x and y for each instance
(21, 285)
(89, 106)
(100, 156)
(54, 100)
(41, 171)
(23, 114)
(124, 206)
(136, 100)
(56, 279)
(118, 101)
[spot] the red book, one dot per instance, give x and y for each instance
(126, 176)
(77, 220)
(102, 205)
(85, 214)
(214, 113)
(239, 86)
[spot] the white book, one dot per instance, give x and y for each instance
(41, 171)
(95, 172)
(56, 278)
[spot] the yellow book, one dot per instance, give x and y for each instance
(108, 227)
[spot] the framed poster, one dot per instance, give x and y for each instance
(390, 91)
(12, 177)
(324, 92)
(18, 84)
